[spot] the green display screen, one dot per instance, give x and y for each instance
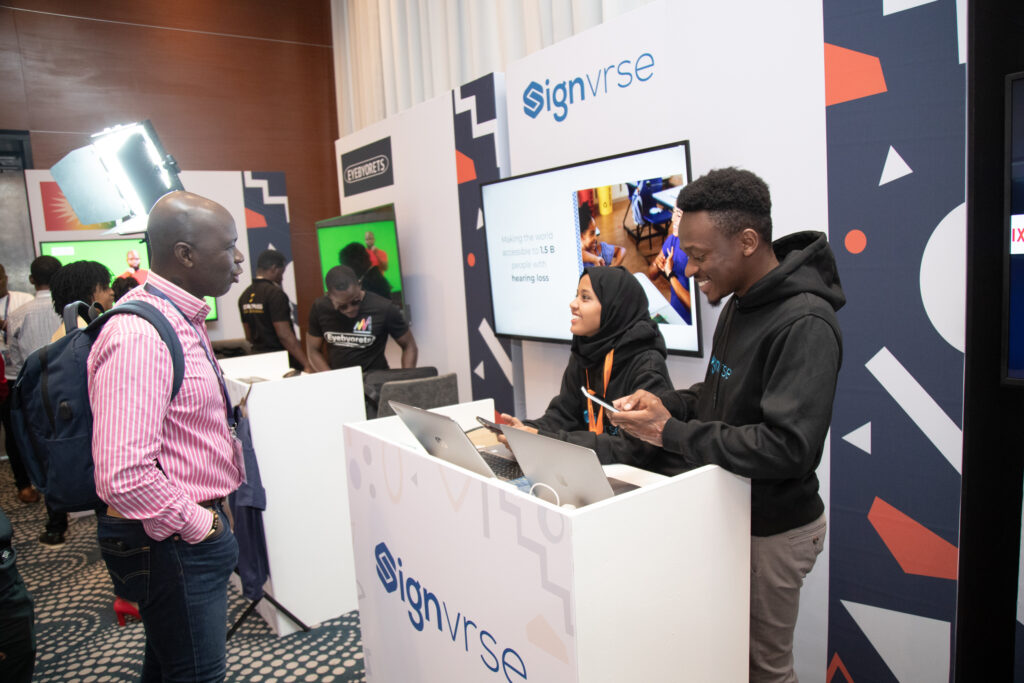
(112, 253)
(335, 233)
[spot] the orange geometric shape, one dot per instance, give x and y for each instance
(254, 219)
(471, 259)
(855, 241)
(837, 665)
(465, 169)
(917, 549)
(851, 75)
(57, 211)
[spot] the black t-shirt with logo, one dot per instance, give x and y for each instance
(360, 340)
(261, 305)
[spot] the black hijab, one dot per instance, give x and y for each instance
(626, 326)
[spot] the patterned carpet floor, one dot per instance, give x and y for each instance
(78, 638)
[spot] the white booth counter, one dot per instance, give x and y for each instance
(296, 426)
(464, 578)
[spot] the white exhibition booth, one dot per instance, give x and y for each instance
(296, 426)
(722, 83)
(462, 578)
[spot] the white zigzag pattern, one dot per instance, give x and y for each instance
(469, 104)
(264, 187)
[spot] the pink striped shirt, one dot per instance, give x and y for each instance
(136, 425)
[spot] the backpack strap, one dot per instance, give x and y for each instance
(154, 317)
(79, 309)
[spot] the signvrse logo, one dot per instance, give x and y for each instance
(386, 569)
(457, 626)
(538, 98)
(533, 99)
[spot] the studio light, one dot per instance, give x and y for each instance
(118, 177)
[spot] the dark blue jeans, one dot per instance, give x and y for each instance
(182, 594)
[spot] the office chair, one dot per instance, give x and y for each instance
(649, 217)
(426, 392)
(375, 379)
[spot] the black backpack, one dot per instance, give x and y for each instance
(51, 419)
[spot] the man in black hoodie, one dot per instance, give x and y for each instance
(764, 407)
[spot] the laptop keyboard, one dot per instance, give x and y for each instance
(503, 468)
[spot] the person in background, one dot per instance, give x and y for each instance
(86, 281)
(353, 255)
(671, 263)
(616, 349)
(134, 271)
(89, 282)
(764, 407)
(122, 284)
(10, 301)
(377, 257)
(163, 465)
(266, 312)
(355, 326)
(594, 252)
(28, 327)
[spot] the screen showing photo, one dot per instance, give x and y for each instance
(122, 256)
(544, 229)
(367, 242)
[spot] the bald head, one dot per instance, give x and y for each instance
(180, 217)
(192, 243)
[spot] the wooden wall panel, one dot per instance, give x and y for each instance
(218, 102)
(306, 21)
(13, 112)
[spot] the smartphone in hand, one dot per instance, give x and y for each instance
(595, 399)
(490, 425)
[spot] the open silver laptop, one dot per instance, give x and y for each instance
(443, 438)
(574, 472)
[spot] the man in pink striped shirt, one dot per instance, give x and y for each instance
(164, 466)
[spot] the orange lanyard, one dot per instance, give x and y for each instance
(597, 425)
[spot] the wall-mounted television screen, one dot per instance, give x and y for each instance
(1013, 229)
(367, 242)
(544, 229)
(114, 254)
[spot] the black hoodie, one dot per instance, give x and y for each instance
(639, 363)
(765, 405)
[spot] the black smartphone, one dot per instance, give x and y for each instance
(490, 425)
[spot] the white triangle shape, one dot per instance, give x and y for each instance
(479, 370)
(894, 6)
(860, 437)
(479, 218)
(895, 167)
(914, 648)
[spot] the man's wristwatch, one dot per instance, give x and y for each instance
(213, 527)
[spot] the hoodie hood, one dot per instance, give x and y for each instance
(806, 265)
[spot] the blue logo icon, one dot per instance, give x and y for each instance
(533, 99)
(386, 567)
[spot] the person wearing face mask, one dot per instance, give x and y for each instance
(616, 350)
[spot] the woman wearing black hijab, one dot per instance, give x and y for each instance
(616, 349)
